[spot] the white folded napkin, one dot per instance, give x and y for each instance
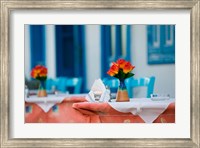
(46, 103)
(98, 88)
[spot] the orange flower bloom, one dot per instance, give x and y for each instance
(114, 69)
(128, 67)
(111, 73)
(121, 63)
(43, 72)
(38, 67)
(33, 73)
(39, 72)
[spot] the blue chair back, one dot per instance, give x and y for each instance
(60, 84)
(131, 83)
(49, 84)
(113, 83)
(76, 83)
(63, 83)
(143, 82)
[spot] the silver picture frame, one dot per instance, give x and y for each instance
(8, 6)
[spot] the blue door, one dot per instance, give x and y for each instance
(70, 51)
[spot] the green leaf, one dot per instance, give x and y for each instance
(128, 75)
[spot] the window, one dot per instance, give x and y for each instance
(161, 44)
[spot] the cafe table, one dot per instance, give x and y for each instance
(65, 108)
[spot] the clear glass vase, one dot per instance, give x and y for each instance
(42, 89)
(122, 93)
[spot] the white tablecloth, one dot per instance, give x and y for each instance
(147, 109)
(45, 103)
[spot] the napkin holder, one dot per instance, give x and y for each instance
(105, 97)
(98, 93)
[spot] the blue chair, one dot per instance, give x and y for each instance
(49, 84)
(142, 82)
(64, 83)
(131, 83)
(113, 84)
(60, 84)
(76, 83)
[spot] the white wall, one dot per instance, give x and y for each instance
(27, 58)
(93, 54)
(50, 50)
(164, 73)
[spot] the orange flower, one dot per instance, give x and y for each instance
(128, 67)
(38, 67)
(114, 69)
(121, 63)
(43, 72)
(33, 73)
(39, 72)
(121, 69)
(111, 73)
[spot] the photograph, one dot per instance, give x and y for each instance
(99, 73)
